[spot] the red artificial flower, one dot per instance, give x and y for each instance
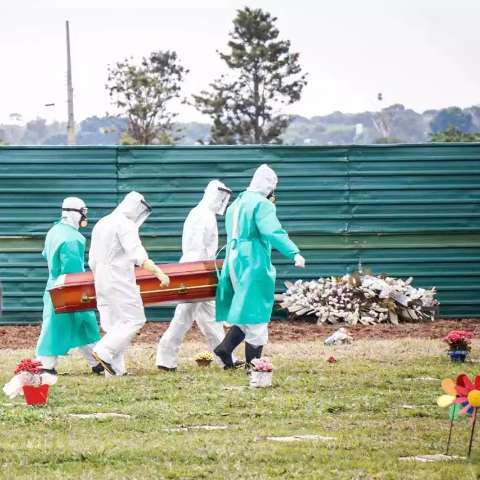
(459, 338)
(28, 365)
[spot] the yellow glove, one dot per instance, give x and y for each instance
(151, 267)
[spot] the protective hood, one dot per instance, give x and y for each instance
(216, 197)
(264, 180)
(74, 212)
(134, 207)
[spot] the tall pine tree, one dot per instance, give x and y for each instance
(265, 76)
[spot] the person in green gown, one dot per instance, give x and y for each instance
(65, 251)
(246, 287)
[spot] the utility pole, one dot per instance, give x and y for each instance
(71, 121)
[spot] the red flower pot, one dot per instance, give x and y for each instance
(36, 395)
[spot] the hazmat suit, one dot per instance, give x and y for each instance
(246, 288)
(65, 253)
(115, 250)
(199, 242)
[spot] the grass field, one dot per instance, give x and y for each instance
(377, 402)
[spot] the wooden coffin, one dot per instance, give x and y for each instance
(189, 282)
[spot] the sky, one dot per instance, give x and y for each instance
(421, 53)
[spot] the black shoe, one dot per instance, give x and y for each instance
(232, 339)
(252, 352)
(166, 369)
(236, 365)
(98, 369)
(51, 371)
(104, 364)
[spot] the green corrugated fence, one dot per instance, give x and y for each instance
(404, 210)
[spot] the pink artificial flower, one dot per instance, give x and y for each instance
(457, 336)
(262, 365)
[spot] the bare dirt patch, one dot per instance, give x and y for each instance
(23, 337)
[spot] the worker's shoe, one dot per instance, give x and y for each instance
(98, 369)
(108, 368)
(252, 352)
(238, 364)
(224, 351)
(166, 369)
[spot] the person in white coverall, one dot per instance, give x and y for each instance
(199, 242)
(115, 250)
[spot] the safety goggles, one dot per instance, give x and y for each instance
(82, 211)
(225, 195)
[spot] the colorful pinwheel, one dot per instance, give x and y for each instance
(467, 392)
(463, 398)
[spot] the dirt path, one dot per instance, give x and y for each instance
(26, 336)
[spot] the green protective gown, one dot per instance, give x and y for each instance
(246, 287)
(65, 253)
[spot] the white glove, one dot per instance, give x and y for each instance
(299, 261)
(151, 267)
(164, 279)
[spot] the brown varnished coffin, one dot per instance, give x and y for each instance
(189, 282)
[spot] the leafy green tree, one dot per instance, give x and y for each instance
(163, 138)
(105, 130)
(453, 134)
(264, 76)
(387, 140)
(2, 137)
(143, 94)
(452, 117)
(35, 132)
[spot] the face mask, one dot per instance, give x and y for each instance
(83, 214)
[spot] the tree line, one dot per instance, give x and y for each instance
(245, 104)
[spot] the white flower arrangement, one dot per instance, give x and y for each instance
(28, 374)
(261, 373)
(360, 298)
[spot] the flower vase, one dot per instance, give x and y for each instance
(260, 379)
(36, 395)
(458, 355)
(201, 362)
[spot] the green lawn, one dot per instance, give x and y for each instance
(364, 401)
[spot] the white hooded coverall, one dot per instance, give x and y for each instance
(115, 250)
(199, 242)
